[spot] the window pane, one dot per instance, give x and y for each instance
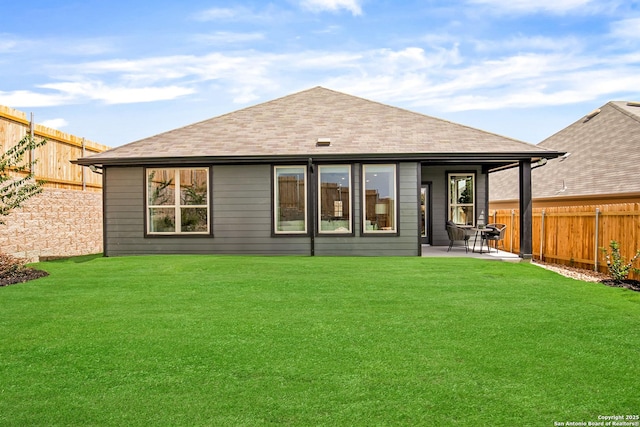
(173, 211)
(161, 187)
(462, 215)
(193, 220)
(380, 197)
(461, 189)
(461, 199)
(335, 199)
(193, 187)
(290, 199)
(162, 220)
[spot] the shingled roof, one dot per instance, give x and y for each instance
(292, 125)
(603, 156)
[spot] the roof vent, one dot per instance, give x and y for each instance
(592, 114)
(633, 104)
(323, 142)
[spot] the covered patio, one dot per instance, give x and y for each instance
(429, 251)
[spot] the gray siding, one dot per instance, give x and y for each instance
(241, 216)
(437, 175)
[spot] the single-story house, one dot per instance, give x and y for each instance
(600, 165)
(317, 172)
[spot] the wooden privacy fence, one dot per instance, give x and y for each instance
(574, 235)
(53, 159)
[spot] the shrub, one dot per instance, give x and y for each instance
(9, 265)
(13, 270)
(618, 268)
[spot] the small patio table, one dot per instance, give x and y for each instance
(483, 238)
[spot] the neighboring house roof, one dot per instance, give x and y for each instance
(292, 125)
(603, 157)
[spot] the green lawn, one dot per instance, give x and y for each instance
(249, 341)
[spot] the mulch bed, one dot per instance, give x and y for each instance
(634, 285)
(21, 275)
(590, 276)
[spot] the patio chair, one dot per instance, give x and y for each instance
(497, 235)
(457, 234)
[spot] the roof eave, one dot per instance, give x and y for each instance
(434, 158)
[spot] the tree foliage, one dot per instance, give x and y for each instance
(14, 188)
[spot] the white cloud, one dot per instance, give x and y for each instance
(173, 76)
(57, 46)
(11, 43)
(521, 43)
(352, 6)
(534, 6)
(225, 37)
(330, 29)
(244, 94)
(26, 98)
(115, 94)
(126, 95)
(58, 123)
(626, 29)
(84, 47)
(239, 14)
(66, 93)
(559, 87)
(7, 45)
(439, 77)
(219, 13)
(313, 60)
(518, 81)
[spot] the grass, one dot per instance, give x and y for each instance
(250, 341)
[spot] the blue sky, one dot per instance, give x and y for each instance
(115, 71)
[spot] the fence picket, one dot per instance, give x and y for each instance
(53, 159)
(574, 235)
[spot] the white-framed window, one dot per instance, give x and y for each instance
(334, 199)
(177, 200)
(462, 198)
(379, 199)
(290, 199)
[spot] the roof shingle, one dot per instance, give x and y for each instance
(603, 159)
(291, 126)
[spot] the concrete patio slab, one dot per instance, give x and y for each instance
(457, 251)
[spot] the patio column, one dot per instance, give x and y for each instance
(525, 210)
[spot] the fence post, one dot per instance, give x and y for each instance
(83, 168)
(595, 264)
(542, 236)
(513, 213)
(32, 152)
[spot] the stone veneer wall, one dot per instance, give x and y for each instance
(56, 223)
